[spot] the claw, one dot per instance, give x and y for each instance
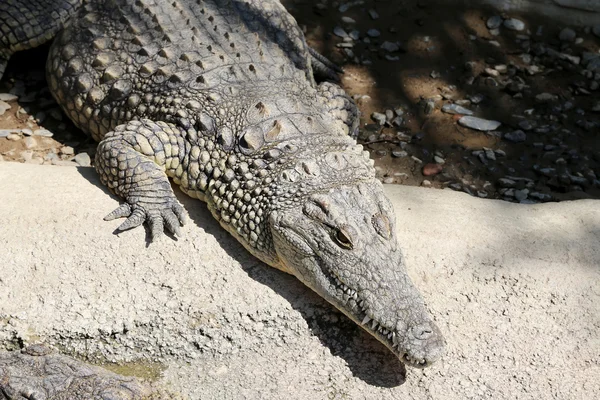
(172, 222)
(156, 226)
(124, 210)
(136, 218)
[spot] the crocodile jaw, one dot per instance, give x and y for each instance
(368, 282)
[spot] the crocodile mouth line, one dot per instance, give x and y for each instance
(358, 311)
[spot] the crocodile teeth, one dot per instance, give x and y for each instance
(394, 339)
(366, 320)
(389, 335)
(374, 325)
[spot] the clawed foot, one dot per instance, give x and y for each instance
(169, 214)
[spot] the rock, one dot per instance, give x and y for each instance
(439, 159)
(489, 154)
(348, 20)
(494, 22)
(506, 182)
(526, 125)
(516, 136)
(456, 109)
(567, 35)
(455, 186)
(67, 150)
(540, 196)
(83, 160)
(479, 124)
(43, 132)
(426, 183)
(373, 14)
(373, 33)
(339, 31)
(514, 24)
(435, 74)
(5, 132)
(399, 153)
(432, 169)
(379, 118)
(546, 97)
(8, 97)
(3, 107)
(13, 136)
(390, 46)
(388, 180)
(30, 142)
(476, 98)
(521, 194)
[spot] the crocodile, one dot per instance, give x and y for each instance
(226, 99)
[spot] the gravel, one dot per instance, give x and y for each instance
(479, 124)
(514, 24)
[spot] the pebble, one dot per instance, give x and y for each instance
(546, 97)
(456, 109)
(455, 186)
(339, 31)
(490, 155)
(348, 20)
(43, 132)
(13, 136)
(479, 124)
(379, 118)
(521, 194)
(67, 150)
(515, 136)
(476, 98)
(567, 35)
(514, 24)
(432, 169)
(506, 182)
(8, 97)
(494, 22)
(526, 125)
(373, 33)
(399, 153)
(373, 14)
(30, 142)
(4, 107)
(390, 46)
(83, 159)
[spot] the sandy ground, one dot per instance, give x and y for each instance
(515, 288)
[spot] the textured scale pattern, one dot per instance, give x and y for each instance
(220, 97)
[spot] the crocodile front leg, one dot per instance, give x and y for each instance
(135, 161)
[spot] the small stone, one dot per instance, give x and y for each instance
(348, 20)
(479, 124)
(540, 196)
(390, 46)
(426, 183)
(432, 169)
(516, 136)
(455, 186)
(546, 97)
(494, 43)
(492, 72)
(379, 118)
(476, 98)
(339, 31)
(43, 132)
(526, 125)
(8, 97)
(456, 109)
(435, 74)
(373, 33)
(67, 150)
(494, 22)
(514, 24)
(13, 136)
(521, 194)
(501, 68)
(27, 132)
(398, 121)
(373, 14)
(30, 142)
(567, 35)
(490, 155)
(439, 160)
(507, 183)
(388, 180)
(4, 107)
(399, 153)
(83, 160)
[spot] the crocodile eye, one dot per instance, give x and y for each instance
(342, 239)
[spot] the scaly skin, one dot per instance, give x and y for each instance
(37, 374)
(220, 97)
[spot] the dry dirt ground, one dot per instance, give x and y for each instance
(409, 59)
(516, 288)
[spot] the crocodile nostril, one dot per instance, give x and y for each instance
(422, 332)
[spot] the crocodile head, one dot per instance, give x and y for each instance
(342, 244)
